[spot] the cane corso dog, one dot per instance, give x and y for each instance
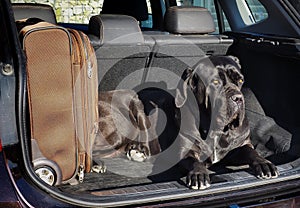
(203, 121)
(123, 126)
(206, 121)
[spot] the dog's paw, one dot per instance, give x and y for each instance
(98, 169)
(137, 152)
(265, 169)
(135, 155)
(198, 178)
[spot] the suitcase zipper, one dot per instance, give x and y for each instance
(81, 167)
(81, 173)
(88, 61)
(87, 87)
(84, 60)
(77, 63)
(80, 61)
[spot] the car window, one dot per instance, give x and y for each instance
(70, 11)
(79, 11)
(258, 11)
(148, 23)
(210, 5)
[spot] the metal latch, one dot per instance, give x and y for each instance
(81, 173)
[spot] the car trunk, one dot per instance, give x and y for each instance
(271, 69)
(271, 89)
(271, 73)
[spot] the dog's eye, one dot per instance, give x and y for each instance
(216, 82)
(241, 81)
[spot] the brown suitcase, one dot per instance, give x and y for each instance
(63, 95)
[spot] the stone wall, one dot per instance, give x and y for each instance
(72, 11)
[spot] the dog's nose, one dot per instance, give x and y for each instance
(237, 98)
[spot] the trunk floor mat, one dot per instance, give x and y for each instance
(123, 174)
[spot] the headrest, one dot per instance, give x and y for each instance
(116, 29)
(135, 8)
(188, 20)
(41, 11)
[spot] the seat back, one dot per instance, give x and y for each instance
(121, 50)
(190, 38)
(28, 10)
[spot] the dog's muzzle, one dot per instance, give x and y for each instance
(236, 102)
(235, 114)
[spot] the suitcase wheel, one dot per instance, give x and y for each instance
(48, 171)
(46, 174)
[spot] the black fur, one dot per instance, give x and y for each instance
(206, 121)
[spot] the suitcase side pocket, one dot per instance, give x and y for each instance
(86, 99)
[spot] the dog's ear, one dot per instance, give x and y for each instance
(236, 60)
(182, 88)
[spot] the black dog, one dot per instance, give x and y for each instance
(206, 121)
(123, 127)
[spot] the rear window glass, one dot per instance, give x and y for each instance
(79, 11)
(258, 11)
(76, 11)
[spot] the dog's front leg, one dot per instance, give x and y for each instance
(194, 163)
(194, 151)
(138, 148)
(198, 174)
(263, 168)
(198, 177)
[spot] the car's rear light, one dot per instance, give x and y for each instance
(0, 146)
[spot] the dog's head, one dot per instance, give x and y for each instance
(216, 85)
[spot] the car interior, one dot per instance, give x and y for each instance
(131, 57)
